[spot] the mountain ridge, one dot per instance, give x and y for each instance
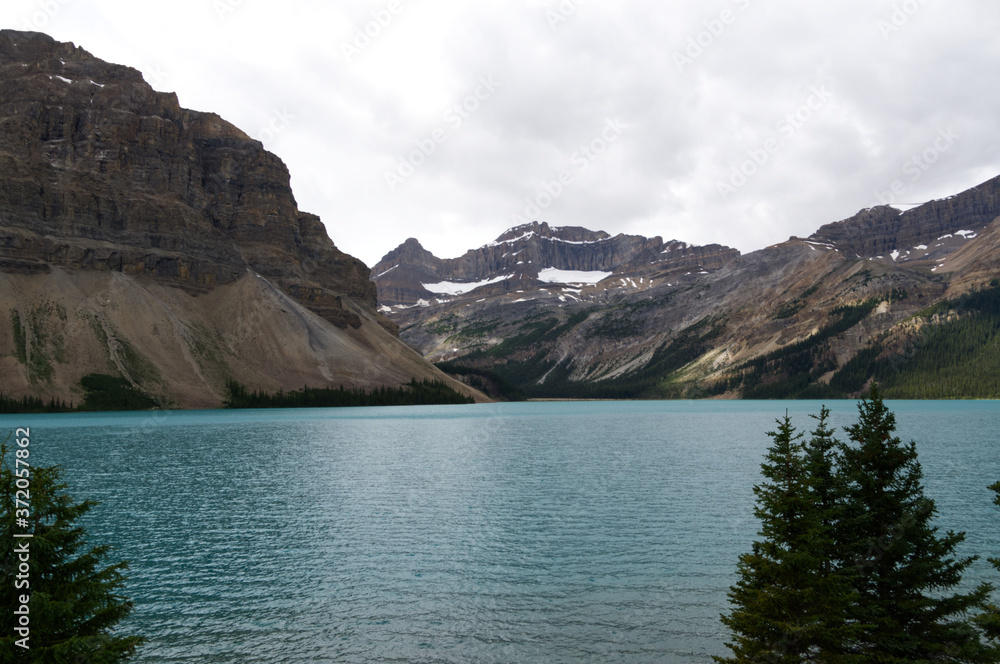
(520, 257)
(796, 318)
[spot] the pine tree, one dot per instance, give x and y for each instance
(989, 621)
(903, 569)
(789, 606)
(75, 604)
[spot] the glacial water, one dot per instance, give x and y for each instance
(537, 532)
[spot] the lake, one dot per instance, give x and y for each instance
(528, 532)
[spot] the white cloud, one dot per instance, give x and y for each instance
(688, 127)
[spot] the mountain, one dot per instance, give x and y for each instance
(910, 298)
(162, 245)
(533, 255)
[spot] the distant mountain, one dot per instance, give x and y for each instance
(162, 245)
(532, 255)
(910, 298)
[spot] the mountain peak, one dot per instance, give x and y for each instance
(532, 255)
(173, 235)
(575, 234)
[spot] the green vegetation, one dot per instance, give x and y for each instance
(789, 605)
(33, 405)
(30, 349)
(792, 371)
(478, 331)
(655, 380)
(530, 334)
(959, 358)
(789, 309)
(989, 621)
(486, 381)
(851, 567)
(103, 392)
(20, 338)
(424, 393)
(792, 307)
(76, 604)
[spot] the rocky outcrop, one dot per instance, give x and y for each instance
(164, 245)
(101, 172)
(515, 259)
(880, 230)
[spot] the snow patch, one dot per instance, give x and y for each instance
(64, 79)
(386, 272)
(551, 275)
(517, 239)
(895, 254)
(556, 239)
(454, 288)
(968, 235)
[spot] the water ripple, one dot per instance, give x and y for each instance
(511, 533)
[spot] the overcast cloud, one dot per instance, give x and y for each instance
(733, 121)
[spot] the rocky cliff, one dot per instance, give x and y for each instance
(881, 230)
(112, 186)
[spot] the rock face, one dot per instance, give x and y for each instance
(517, 260)
(102, 175)
(880, 230)
(102, 172)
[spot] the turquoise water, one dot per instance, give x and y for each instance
(537, 532)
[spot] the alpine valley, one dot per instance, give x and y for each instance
(908, 298)
(161, 247)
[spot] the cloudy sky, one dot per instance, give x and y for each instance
(733, 121)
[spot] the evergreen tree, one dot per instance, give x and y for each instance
(903, 568)
(989, 621)
(789, 605)
(74, 603)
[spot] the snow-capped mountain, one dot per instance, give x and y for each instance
(534, 257)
